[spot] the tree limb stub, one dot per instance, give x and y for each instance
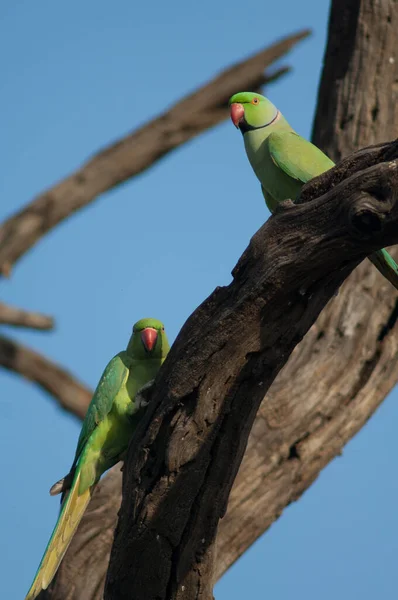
(11, 315)
(72, 395)
(138, 151)
(186, 452)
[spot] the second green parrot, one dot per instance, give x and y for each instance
(283, 161)
(106, 432)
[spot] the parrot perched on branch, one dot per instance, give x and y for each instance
(106, 432)
(283, 161)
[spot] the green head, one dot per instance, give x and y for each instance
(251, 111)
(148, 340)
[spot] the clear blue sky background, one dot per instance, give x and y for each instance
(74, 77)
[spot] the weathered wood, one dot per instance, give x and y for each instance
(188, 448)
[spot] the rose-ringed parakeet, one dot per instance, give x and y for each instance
(283, 161)
(106, 431)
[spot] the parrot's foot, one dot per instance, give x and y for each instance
(57, 487)
(61, 486)
(141, 397)
(283, 206)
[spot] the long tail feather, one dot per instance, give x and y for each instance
(71, 514)
(386, 265)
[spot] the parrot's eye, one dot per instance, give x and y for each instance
(255, 101)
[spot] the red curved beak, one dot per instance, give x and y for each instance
(149, 337)
(237, 113)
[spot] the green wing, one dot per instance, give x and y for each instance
(113, 378)
(297, 157)
(302, 161)
(386, 265)
(269, 201)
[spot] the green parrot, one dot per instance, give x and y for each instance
(283, 161)
(106, 431)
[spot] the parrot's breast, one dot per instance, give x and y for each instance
(276, 183)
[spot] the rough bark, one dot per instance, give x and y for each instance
(358, 94)
(350, 359)
(138, 151)
(187, 450)
(71, 395)
(11, 315)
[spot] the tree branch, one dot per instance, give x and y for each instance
(10, 315)
(137, 152)
(71, 395)
(187, 450)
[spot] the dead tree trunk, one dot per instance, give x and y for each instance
(187, 450)
(351, 360)
(297, 431)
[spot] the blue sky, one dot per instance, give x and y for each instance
(76, 76)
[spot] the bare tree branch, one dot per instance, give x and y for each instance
(11, 315)
(137, 151)
(71, 395)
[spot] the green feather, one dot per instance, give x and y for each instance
(113, 379)
(296, 157)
